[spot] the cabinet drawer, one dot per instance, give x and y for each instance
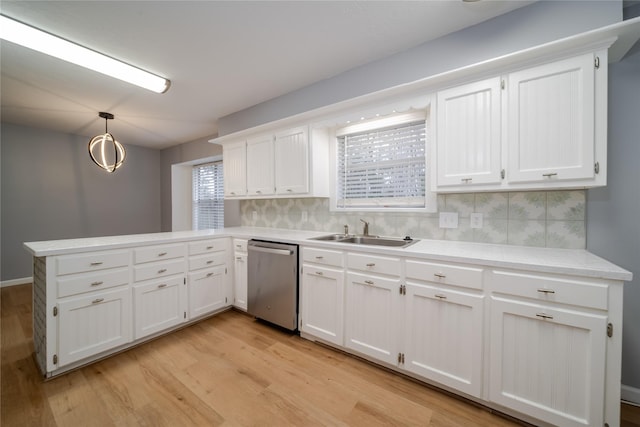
(240, 245)
(323, 256)
(158, 269)
(446, 274)
(374, 264)
(550, 289)
(207, 260)
(80, 263)
(87, 282)
(157, 253)
(204, 246)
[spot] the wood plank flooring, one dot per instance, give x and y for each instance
(228, 370)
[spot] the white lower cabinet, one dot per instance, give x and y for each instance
(93, 323)
(322, 303)
(240, 273)
(159, 305)
(548, 358)
(207, 291)
(443, 336)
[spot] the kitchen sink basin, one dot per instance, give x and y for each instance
(367, 240)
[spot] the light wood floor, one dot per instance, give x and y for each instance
(227, 370)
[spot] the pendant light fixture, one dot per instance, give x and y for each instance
(104, 150)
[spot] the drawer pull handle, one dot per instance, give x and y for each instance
(162, 270)
(439, 275)
(319, 257)
(546, 291)
(368, 282)
(440, 296)
(466, 180)
(97, 283)
(371, 264)
(162, 254)
(93, 264)
(97, 300)
(237, 246)
(209, 274)
(549, 175)
(210, 262)
(211, 247)
(238, 258)
(289, 190)
(319, 273)
(544, 316)
(163, 285)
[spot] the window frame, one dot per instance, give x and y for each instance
(364, 125)
(217, 223)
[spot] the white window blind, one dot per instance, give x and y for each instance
(208, 196)
(382, 168)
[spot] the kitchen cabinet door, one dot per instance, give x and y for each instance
(240, 283)
(92, 324)
(235, 169)
(443, 336)
(322, 303)
(551, 129)
(207, 291)
(548, 362)
(371, 325)
(468, 141)
(292, 162)
(260, 177)
(159, 305)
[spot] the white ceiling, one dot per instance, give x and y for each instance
(221, 57)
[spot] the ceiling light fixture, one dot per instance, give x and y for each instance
(103, 159)
(33, 38)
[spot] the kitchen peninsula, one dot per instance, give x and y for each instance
(493, 323)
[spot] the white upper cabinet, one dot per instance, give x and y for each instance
(260, 176)
(551, 121)
(235, 169)
(468, 134)
(292, 161)
(542, 127)
(287, 163)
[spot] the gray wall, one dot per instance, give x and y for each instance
(525, 27)
(50, 189)
(187, 152)
(613, 212)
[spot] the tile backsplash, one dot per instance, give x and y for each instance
(554, 219)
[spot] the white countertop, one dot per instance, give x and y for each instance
(563, 261)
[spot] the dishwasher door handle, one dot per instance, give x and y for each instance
(270, 250)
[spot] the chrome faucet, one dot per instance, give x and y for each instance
(365, 231)
(346, 229)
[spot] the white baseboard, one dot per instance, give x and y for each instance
(14, 282)
(631, 394)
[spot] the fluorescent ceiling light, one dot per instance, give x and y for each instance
(24, 35)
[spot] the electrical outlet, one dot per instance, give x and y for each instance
(254, 215)
(305, 216)
(476, 220)
(448, 219)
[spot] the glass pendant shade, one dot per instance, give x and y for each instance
(105, 151)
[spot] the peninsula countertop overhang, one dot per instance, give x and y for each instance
(562, 261)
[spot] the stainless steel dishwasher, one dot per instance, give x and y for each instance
(272, 290)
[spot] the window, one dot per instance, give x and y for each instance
(208, 196)
(381, 165)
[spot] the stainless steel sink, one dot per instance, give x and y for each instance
(367, 240)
